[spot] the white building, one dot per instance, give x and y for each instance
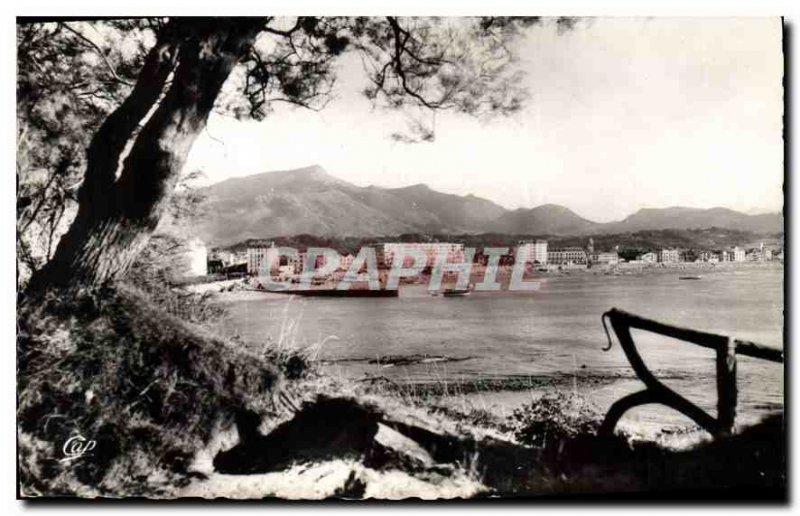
(454, 252)
(737, 254)
(296, 262)
(708, 256)
(755, 255)
(610, 258)
(536, 251)
(669, 256)
(567, 255)
(229, 258)
(765, 252)
(261, 258)
(194, 259)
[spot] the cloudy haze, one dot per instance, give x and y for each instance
(624, 113)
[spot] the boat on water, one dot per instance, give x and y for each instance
(333, 292)
(690, 277)
(321, 288)
(457, 292)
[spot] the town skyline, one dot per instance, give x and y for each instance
(452, 257)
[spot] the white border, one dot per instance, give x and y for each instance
(78, 8)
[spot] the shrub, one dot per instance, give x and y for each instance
(554, 418)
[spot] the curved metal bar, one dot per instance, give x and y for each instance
(608, 335)
(657, 392)
(621, 406)
(629, 348)
(668, 398)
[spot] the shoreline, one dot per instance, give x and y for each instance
(236, 289)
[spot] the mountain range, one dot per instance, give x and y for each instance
(311, 201)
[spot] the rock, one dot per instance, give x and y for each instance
(401, 444)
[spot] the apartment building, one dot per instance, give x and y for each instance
(567, 255)
(536, 251)
(669, 256)
(453, 251)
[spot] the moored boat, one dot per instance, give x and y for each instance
(333, 292)
(454, 292)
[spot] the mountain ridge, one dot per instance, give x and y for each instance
(309, 200)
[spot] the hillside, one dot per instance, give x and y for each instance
(461, 214)
(298, 201)
(550, 219)
(694, 218)
(311, 201)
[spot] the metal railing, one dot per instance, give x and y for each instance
(656, 392)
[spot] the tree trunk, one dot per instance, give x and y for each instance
(117, 215)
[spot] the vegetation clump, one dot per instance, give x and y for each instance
(554, 417)
(148, 388)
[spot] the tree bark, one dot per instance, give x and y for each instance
(117, 213)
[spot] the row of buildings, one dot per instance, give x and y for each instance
(536, 252)
(733, 254)
(257, 258)
(253, 259)
(539, 254)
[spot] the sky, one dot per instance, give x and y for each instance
(624, 113)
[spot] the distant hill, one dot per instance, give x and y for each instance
(460, 214)
(695, 218)
(550, 219)
(310, 201)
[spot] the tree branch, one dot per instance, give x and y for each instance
(399, 49)
(285, 33)
(60, 170)
(99, 52)
(108, 144)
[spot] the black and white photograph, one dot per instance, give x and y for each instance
(392, 258)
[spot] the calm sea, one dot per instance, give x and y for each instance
(553, 332)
